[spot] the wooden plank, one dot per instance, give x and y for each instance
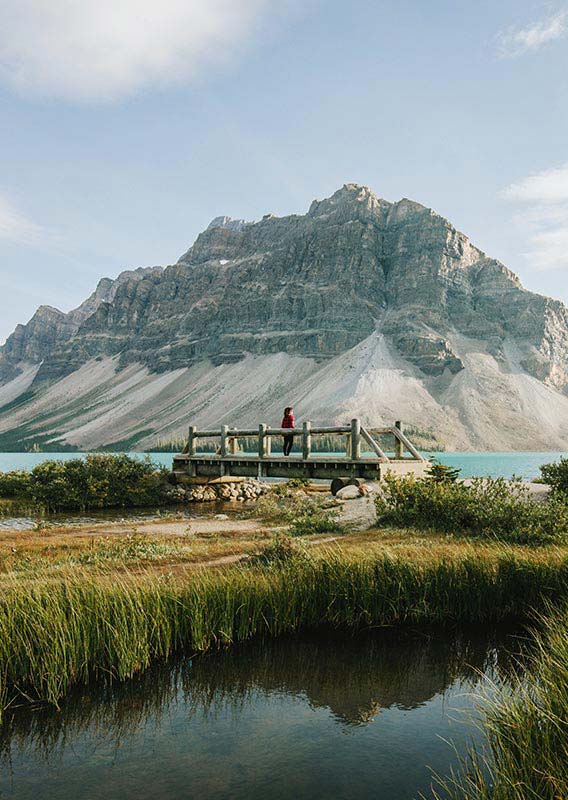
(261, 441)
(306, 440)
(191, 441)
(373, 445)
(285, 468)
(407, 443)
(242, 432)
(398, 443)
(355, 439)
(253, 457)
(224, 429)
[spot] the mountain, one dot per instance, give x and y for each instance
(359, 307)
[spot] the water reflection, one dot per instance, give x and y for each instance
(293, 692)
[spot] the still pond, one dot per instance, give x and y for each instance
(318, 716)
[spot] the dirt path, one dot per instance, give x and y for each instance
(178, 527)
(234, 558)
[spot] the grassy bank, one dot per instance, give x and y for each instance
(76, 625)
(526, 729)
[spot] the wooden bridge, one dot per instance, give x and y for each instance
(228, 460)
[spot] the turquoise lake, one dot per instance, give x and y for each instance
(524, 465)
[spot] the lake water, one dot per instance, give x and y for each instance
(524, 465)
(317, 716)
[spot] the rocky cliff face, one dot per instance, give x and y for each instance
(314, 288)
(49, 329)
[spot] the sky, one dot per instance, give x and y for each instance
(127, 125)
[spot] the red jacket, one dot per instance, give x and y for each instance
(288, 422)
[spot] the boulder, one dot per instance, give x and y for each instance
(348, 493)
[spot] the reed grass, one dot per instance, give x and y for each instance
(526, 757)
(58, 631)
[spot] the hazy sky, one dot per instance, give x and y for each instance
(126, 125)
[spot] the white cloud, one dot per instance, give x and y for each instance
(103, 49)
(517, 41)
(15, 227)
(548, 186)
(543, 216)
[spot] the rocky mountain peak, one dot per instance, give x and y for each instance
(350, 199)
(45, 312)
(359, 283)
(229, 223)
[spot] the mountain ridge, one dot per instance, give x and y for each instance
(442, 318)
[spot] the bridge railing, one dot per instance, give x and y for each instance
(356, 437)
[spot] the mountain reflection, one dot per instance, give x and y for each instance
(352, 676)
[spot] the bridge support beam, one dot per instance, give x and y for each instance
(306, 439)
(355, 439)
(398, 445)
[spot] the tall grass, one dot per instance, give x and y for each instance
(527, 731)
(57, 632)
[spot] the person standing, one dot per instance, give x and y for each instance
(288, 422)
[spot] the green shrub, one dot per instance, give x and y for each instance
(97, 481)
(442, 472)
(290, 488)
(15, 484)
(304, 516)
(489, 507)
(556, 475)
(307, 517)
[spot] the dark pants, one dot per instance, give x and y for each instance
(288, 442)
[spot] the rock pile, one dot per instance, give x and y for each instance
(228, 491)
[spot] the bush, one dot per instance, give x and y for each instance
(442, 472)
(492, 508)
(15, 484)
(307, 517)
(97, 481)
(304, 515)
(556, 475)
(290, 487)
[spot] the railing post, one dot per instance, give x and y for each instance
(233, 445)
(224, 429)
(306, 439)
(355, 439)
(261, 442)
(398, 445)
(192, 440)
(267, 443)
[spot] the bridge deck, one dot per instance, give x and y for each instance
(280, 467)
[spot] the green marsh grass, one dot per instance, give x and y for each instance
(73, 628)
(526, 757)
